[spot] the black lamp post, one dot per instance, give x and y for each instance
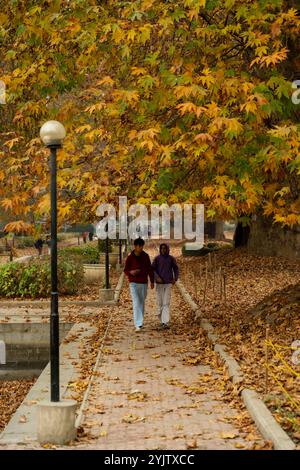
(107, 284)
(52, 134)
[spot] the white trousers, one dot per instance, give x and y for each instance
(163, 298)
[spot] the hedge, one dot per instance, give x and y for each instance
(34, 279)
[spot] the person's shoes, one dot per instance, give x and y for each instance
(165, 326)
(138, 328)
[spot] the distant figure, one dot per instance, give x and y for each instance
(48, 243)
(84, 237)
(91, 236)
(39, 245)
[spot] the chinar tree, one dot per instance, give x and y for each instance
(167, 101)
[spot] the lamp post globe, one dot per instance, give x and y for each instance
(52, 133)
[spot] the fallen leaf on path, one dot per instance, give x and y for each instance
(239, 445)
(130, 418)
(23, 419)
(192, 445)
(192, 361)
(252, 437)
(228, 435)
(175, 382)
(195, 389)
(137, 395)
(179, 427)
(49, 446)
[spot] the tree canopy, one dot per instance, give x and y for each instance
(163, 101)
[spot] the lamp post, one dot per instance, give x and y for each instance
(107, 284)
(52, 134)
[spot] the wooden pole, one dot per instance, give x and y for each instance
(224, 286)
(267, 361)
(205, 285)
(200, 282)
(214, 274)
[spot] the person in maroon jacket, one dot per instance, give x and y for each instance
(138, 268)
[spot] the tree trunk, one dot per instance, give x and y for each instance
(268, 239)
(241, 235)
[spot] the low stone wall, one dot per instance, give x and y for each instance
(33, 334)
(27, 348)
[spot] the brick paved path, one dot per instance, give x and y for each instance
(146, 397)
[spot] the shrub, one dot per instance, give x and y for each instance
(34, 279)
(82, 254)
(87, 253)
(10, 275)
(24, 241)
(101, 246)
(70, 276)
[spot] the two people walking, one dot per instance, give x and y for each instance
(163, 272)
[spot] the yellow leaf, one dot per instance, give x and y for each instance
(23, 419)
(228, 435)
(131, 34)
(107, 80)
(190, 107)
(145, 33)
(239, 445)
(131, 418)
(192, 445)
(136, 71)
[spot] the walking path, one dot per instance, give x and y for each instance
(147, 395)
(159, 389)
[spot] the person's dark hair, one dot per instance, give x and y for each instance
(139, 241)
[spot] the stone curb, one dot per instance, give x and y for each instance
(86, 394)
(265, 421)
(234, 369)
(261, 415)
(187, 297)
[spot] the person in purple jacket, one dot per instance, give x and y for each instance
(166, 273)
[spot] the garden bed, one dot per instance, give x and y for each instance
(262, 303)
(12, 393)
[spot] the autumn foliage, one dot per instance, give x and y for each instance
(174, 101)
